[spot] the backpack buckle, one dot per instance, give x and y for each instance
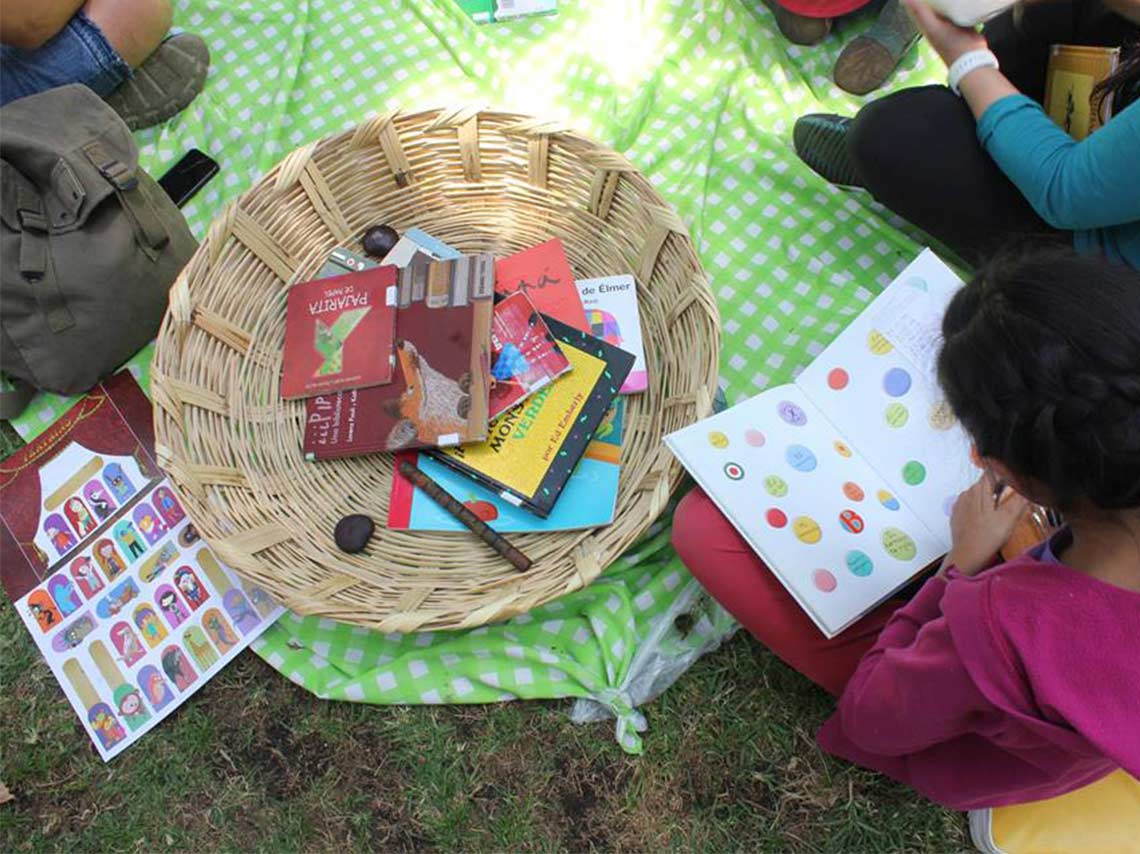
(121, 177)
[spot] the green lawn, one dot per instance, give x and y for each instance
(254, 763)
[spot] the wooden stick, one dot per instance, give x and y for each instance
(480, 528)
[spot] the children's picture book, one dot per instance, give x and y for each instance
(339, 333)
(844, 481)
(1073, 73)
(532, 449)
(524, 355)
(588, 501)
(493, 11)
(440, 393)
(129, 607)
(611, 310)
(543, 273)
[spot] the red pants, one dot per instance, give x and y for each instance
(730, 571)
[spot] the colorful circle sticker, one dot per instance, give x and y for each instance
(887, 500)
(878, 344)
(823, 580)
(792, 413)
(842, 449)
(754, 438)
(859, 563)
(838, 379)
(941, 416)
(853, 491)
(718, 439)
(807, 530)
(800, 458)
(896, 415)
(896, 382)
(776, 518)
(775, 486)
(914, 473)
(898, 544)
(851, 522)
(734, 471)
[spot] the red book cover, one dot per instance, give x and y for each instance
(37, 530)
(525, 356)
(439, 394)
(544, 275)
(339, 333)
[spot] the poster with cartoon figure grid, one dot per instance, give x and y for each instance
(128, 606)
(843, 482)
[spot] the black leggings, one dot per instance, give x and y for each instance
(917, 150)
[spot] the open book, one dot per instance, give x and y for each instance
(843, 483)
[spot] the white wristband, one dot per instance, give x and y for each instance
(967, 62)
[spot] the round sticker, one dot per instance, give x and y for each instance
(896, 382)
(775, 486)
(792, 413)
(914, 473)
(897, 415)
(878, 344)
(941, 416)
(853, 491)
(718, 439)
(887, 500)
(842, 449)
(918, 283)
(807, 530)
(754, 438)
(776, 518)
(859, 563)
(800, 458)
(823, 580)
(838, 379)
(851, 522)
(898, 544)
(734, 471)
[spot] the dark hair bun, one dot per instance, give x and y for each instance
(1041, 363)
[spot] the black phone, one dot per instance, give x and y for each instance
(189, 175)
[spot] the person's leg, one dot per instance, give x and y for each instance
(725, 565)
(918, 154)
(133, 27)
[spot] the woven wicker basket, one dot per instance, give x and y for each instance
(481, 181)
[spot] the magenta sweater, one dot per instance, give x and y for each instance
(1020, 683)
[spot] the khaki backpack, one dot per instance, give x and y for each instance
(89, 244)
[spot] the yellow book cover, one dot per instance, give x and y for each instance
(1074, 71)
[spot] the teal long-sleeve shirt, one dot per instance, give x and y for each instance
(1091, 188)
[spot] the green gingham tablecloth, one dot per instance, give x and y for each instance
(701, 95)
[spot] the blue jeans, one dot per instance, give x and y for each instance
(79, 53)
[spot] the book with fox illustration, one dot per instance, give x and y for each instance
(532, 449)
(339, 333)
(439, 394)
(130, 609)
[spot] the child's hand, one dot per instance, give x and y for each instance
(946, 37)
(979, 529)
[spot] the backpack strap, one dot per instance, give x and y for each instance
(125, 180)
(34, 229)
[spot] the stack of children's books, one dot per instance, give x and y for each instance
(498, 378)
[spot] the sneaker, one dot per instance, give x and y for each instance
(821, 142)
(165, 84)
(799, 29)
(866, 62)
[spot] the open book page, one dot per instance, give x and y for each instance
(877, 383)
(821, 518)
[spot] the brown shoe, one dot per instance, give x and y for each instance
(799, 29)
(867, 62)
(165, 84)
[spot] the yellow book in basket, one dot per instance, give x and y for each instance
(1074, 72)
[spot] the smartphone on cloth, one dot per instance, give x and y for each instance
(189, 175)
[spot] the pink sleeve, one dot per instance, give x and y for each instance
(911, 691)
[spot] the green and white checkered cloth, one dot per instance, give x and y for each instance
(701, 95)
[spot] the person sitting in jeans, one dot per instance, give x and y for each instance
(978, 170)
(118, 48)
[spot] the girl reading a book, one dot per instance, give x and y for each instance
(998, 682)
(979, 162)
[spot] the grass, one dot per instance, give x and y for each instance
(253, 762)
